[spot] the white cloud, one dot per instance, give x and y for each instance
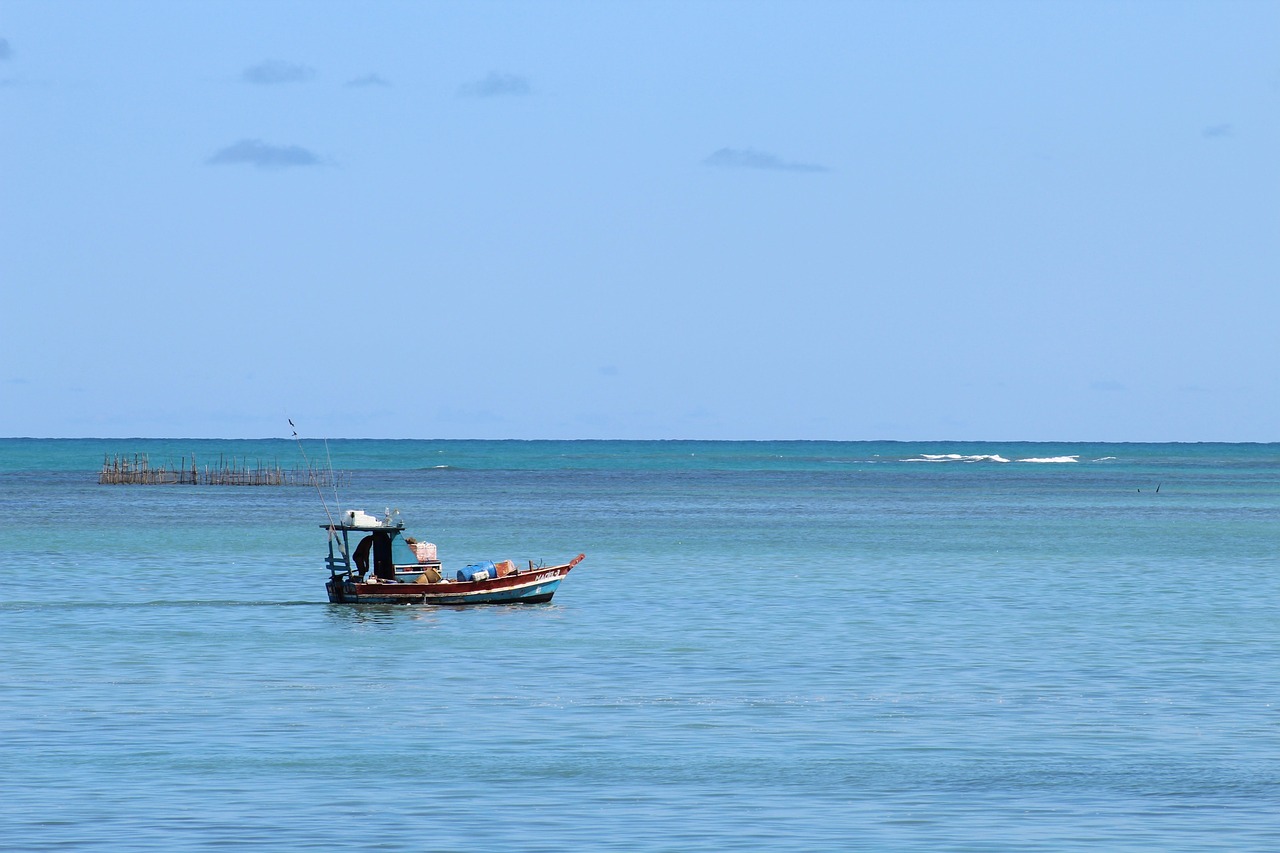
(497, 85)
(749, 158)
(367, 81)
(255, 152)
(273, 72)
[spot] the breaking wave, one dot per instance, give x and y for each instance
(955, 457)
(989, 457)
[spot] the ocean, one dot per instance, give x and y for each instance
(770, 646)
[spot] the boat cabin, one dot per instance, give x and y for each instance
(361, 544)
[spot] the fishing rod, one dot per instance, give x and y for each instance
(333, 478)
(314, 480)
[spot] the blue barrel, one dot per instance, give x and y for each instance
(469, 572)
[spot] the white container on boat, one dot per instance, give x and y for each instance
(360, 518)
(425, 552)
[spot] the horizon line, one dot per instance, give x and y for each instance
(690, 440)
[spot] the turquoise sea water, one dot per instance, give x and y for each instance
(800, 646)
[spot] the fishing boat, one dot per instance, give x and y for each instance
(371, 561)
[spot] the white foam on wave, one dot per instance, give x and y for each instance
(956, 457)
(1052, 460)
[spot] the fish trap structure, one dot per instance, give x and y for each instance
(137, 470)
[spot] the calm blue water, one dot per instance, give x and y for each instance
(770, 646)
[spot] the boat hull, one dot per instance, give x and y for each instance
(535, 586)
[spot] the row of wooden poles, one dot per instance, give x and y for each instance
(136, 470)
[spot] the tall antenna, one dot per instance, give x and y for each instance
(314, 479)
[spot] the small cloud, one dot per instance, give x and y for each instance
(1217, 131)
(1107, 385)
(6, 52)
(255, 152)
(367, 81)
(496, 85)
(273, 71)
(749, 158)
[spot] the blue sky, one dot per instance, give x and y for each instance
(854, 220)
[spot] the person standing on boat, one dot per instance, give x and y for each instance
(380, 544)
(361, 555)
(383, 567)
